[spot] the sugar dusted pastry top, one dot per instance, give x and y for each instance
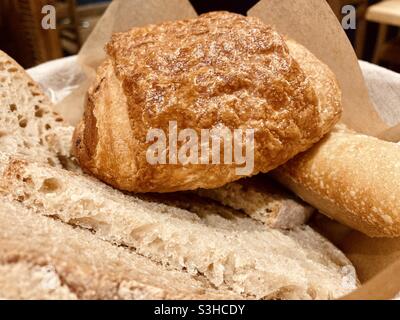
(220, 69)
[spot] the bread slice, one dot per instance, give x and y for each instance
(233, 252)
(27, 281)
(43, 258)
(263, 200)
(29, 126)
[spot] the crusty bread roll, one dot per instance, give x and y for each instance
(352, 178)
(218, 70)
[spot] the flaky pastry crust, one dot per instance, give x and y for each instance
(220, 69)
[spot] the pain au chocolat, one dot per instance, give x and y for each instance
(165, 91)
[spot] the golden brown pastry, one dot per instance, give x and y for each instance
(220, 70)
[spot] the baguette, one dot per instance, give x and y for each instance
(233, 252)
(41, 258)
(263, 200)
(351, 178)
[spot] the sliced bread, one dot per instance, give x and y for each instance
(263, 200)
(25, 280)
(41, 258)
(233, 252)
(29, 126)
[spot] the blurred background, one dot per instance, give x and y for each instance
(376, 38)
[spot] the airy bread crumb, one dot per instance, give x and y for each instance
(234, 252)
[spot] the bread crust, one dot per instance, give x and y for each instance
(324, 83)
(220, 69)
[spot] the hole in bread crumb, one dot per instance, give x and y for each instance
(50, 185)
(66, 162)
(28, 181)
(13, 69)
(35, 94)
(2, 79)
(13, 107)
(51, 162)
(92, 223)
(59, 119)
(31, 84)
(47, 126)
(312, 293)
(39, 113)
(3, 133)
(37, 108)
(23, 123)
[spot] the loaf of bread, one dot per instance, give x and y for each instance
(352, 178)
(263, 200)
(41, 258)
(233, 252)
(220, 70)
